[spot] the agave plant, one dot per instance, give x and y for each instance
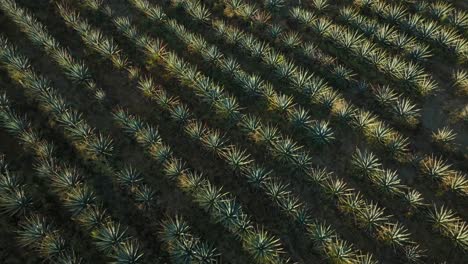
(291, 40)
(394, 234)
(197, 10)
(79, 198)
(14, 201)
(33, 230)
(252, 84)
(230, 65)
(236, 158)
(371, 216)
(397, 145)
(336, 188)
(414, 199)
(459, 19)
(458, 182)
(320, 5)
(274, 5)
(413, 253)
(128, 252)
(339, 251)
(174, 168)
(93, 216)
(276, 189)
(195, 130)
(365, 163)
(459, 234)
(181, 113)
(209, 196)
(275, 31)
(144, 196)
(405, 111)
(69, 258)
(256, 175)
(228, 108)
(213, 141)
(321, 234)
(268, 134)
(281, 102)
(263, 247)
(321, 132)
(442, 218)
(101, 145)
(434, 167)
(129, 176)
(385, 95)
(388, 181)
(286, 150)
(205, 253)
(460, 80)
(110, 237)
(351, 203)
(173, 228)
(444, 136)
(285, 69)
(363, 120)
(299, 117)
(52, 245)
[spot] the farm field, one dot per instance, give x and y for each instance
(233, 131)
